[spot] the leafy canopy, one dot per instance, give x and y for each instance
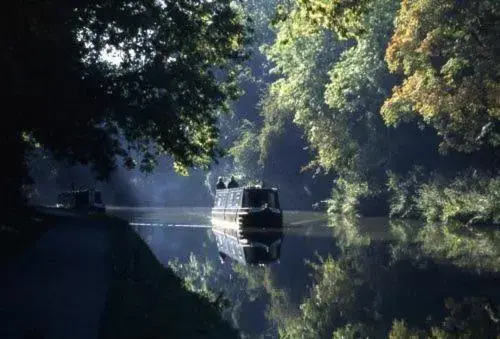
(95, 81)
(449, 53)
(302, 56)
(331, 88)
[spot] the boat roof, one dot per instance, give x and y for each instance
(80, 191)
(248, 188)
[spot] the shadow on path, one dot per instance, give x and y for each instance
(57, 288)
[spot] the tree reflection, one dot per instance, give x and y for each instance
(330, 304)
(417, 282)
(198, 275)
(230, 286)
(147, 300)
(414, 281)
(470, 248)
(469, 318)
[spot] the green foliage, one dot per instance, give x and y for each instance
(448, 53)
(173, 73)
(403, 193)
(343, 16)
(339, 113)
(400, 331)
(245, 153)
(261, 14)
(302, 56)
(346, 195)
(471, 198)
(349, 331)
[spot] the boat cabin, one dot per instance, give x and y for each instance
(81, 200)
(248, 207)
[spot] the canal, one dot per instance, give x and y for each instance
(354, 277)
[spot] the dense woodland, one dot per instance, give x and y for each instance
(380, 107)
(372, 107)
(397, 100)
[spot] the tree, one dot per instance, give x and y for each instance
(94, 82)
(345, 17)
(449, 53)
(333, 88)
(302, 55)
(245, 153)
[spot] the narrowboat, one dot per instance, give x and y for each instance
(261, 247)
(247, 207)
(83, 200)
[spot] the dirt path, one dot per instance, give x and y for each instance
(58, 287)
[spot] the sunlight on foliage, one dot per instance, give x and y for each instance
(469, 197)
(403, 193)
(448, 53)
(346, 195)
(245, 153)
(302, 55)
(343, 16)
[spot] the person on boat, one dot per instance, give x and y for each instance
(220, 184)
(232, 183)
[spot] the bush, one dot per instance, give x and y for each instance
(403, 191)
(346, 196)
(470, 198)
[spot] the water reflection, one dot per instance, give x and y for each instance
(250, 247)
(356, 278)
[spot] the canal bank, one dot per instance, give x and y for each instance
(90, 277)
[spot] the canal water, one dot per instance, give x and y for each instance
(341, 277)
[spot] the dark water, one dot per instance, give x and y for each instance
(344, 278)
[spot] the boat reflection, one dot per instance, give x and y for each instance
(249, 246)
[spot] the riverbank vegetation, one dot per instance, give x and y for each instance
(397, 102)
(380, 107)
(336, 100)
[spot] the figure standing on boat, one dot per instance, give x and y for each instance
(232, 183)
(220, 184)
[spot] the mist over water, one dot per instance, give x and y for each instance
(125, 187)
(166, 188)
